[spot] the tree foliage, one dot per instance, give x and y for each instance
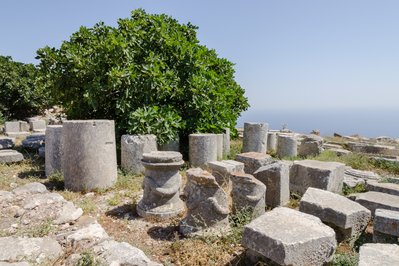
(19, 96)
(147, 61)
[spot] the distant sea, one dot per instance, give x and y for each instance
(365, 122)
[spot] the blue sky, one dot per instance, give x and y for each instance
(289, 55)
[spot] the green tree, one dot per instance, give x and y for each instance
(19, 96)
(146, 61)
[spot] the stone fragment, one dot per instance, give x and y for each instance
(202, 149)
(30, 188)
(386, 226)
(226, 142)
(255, 137)
(287, 146)
(248, 194)
(68, 213)
(219, 144)
(271, 142)
(310, 173)
(276, 177)
(161, 185)
(34, 141)
(38, 125)
(253, 161)
(346, 217)
(352, 182)
(290, 237)
(92, 233)
(222, 170)
(379, 254)
(89, 154)
(132, 149)
(53, 150)
(377, 200)
(388, 188)
(38, 250)
(10, 156)
(310, 145)
(6, 143)
(365, 175)
(207, 205)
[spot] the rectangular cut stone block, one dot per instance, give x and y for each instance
(289, 237)
(222, 170)
(11, 126)
(276, 177)
(386, 222)
(379, 254)
(253, 161)
(24, 126)
(132, 149)
(38, 125)
(10, 156)
(388, 188)
(310, 145)
(309, 173)
(238, 166)
(338, 211)
(377, 200)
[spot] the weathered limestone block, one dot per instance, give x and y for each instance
(10, 156)
(161, 185)
(226, 142)
(271, 142)
(89, 154)
(11, 126)
(53, 150)
(255, 137)
(34, 141)
(372, 148)
(38, 125)
(222, 170)
(207, 205)
(309, 173)
(6, 143)
(39, 250)
(310, 145)
(132, 149)
(253, 161)
(23, 126)
(287, 146)
(386, 226)
(219, 144)
(202, 149)
(346, 217)
(365, 175)
(379, 254)
(290, 237)
(248, 194)
(377, 200)
(388, 188)
(276, 177)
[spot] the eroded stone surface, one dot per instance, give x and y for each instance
(310, 145)
(377, 200)
(10, 156)
(202, 149)
(253, 161)
(379, 254)
(132, 149)
(287, 146)
(255, 137)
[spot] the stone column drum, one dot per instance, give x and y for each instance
(287, 146)
(161, 185)
(89, 154)
(271, 142)
(53, 149)
(255, 137)
(202, 149)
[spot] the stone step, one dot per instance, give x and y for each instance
(388, 188)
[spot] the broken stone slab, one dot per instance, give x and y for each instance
(310, 145)
(377, 200)
(202, 149)
(310, 173)
(372, 148)
(121, 253)
(289, 237)
(132, 149)
(276, 177)
(346, 217)
(255, 137)
(386, 226)
(36, 250)
(253, 161)
(287, 145)
(248, 194)
(379, 254)
(30, 188)
(388, 188)
(352, 182)
(365, 175)
(87, 235)
(10, 156)
(6, 143)
(34, 141)
(223, 170)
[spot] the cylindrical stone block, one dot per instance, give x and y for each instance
(255, 137)
(202, 149)
(226, 142)
(219, 143)
(89, 154)
(161, 197)
(53, 149)
(271, 142)
(287, 146)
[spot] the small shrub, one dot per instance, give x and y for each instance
(57, 180)
(88, 205)
(235, 148)
(359, 188)
(345, 260)
(87, 259)
(114, 200)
